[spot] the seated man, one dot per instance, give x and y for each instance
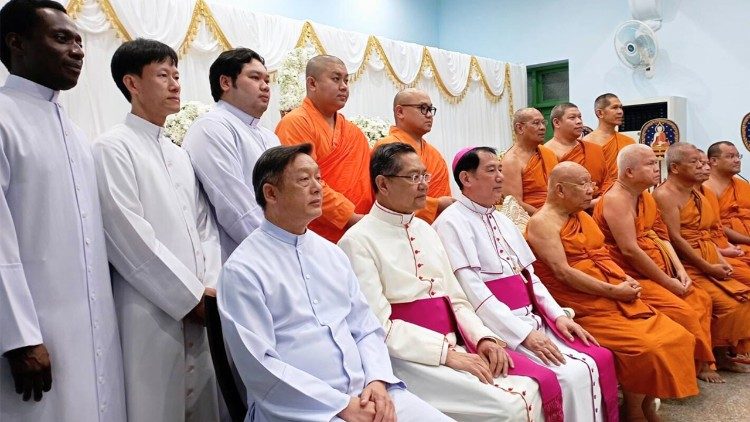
(437, 343)
(637, 241)
(567, 124)
(682, 209)
(413, 113)
(608, 109)
(304, 341)
(733, 192)
(526, 165)
(492, 262)
(653, 354)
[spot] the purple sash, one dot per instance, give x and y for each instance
(516, 292)
(436, 314)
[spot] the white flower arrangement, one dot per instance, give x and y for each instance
(374, 128)
(176, 125)
(292, 86)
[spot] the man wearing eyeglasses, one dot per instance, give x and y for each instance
(413, 113)
(608, 109)
(733, 191)
(437, 344)
(527, 163)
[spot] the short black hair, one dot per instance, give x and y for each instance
(20, 17)
(715, 149)
(271, 165)
(230, 63)
(602, 101)
(385, 160)
(469, 162)
(132, 56)
(559, 110)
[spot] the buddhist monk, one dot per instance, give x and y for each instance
(413, 113)
(681, 207)
(608, 109)
(653, 354)
(637, 240)
(733, 192)
(526, 165)
(567, 125)
(339, 147)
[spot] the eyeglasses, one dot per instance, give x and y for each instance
(413, 178)
(585, 185)
(423, 108)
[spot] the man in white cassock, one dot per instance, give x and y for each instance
(225, 143)
(163, 245)
(488, 254)
(301, 335)
(437, 344)
(58, 330)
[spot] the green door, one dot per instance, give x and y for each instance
(548, 86)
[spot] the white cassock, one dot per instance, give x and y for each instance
(164, 247)
(54, 278)
(224, 145)
(300, 332)
(483, 245)
(399, 259)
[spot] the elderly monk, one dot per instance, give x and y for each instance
(653, 354)
(492, 262)
(413, 113)
(733, 192)
(689, 227)
(567, 124)
(608, 109)
(638, 242)
(339, 147)
(527, 163)
(438, 345)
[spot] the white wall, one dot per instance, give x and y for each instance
(704, 53)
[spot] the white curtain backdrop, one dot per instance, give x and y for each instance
(466, 115)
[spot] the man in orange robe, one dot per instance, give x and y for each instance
(733, 192)
(637, 240)
(608, 109)
(339, 147)
(681, 207)
(413, 113)
(567, 124)
(526, 165)
(653, 354)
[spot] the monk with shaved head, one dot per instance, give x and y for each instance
(653, 354)
(527, 164)
(733, 191)
(608, 109)
(687, 215)
(413, 113)
(339, 147)
(638, 242)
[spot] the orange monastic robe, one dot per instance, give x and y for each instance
(611, 148)
(693, 311)
(735, 206)
(433, 160)
(343, 155)
(534, 177)
(741, 264)
(731, 312)
(653, 354)
(591, 156)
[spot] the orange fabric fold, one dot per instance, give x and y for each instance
(611, 148)
(591, 156)
(740, 264)
(343, 154)
(535, 175)
(436, 166)
(734, 205)
(643, 340)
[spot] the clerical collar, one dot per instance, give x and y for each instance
(246, 118)
(141, 125)
(392, 217)
(280, 234)
(473, 206)
(32, 88)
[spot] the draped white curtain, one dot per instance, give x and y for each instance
(466, 115)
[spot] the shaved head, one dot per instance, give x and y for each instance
(679, 152)
(524, 115)
(319, 64)
(567, 172)
(413, 112)
(407, 96)
(632, 156)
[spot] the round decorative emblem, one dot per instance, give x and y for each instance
(659, 134)
(745, 131)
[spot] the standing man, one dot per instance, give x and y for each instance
(225, 143)
(162, 242)
(733, 192)
(339, 147)
(608, 109)
(413, 113)
(58, 330)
